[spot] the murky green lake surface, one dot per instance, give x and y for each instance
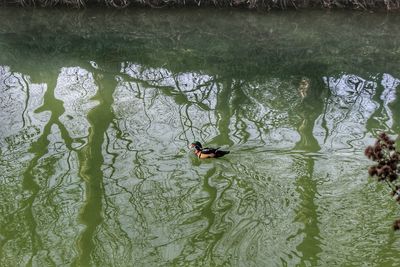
(97, 108)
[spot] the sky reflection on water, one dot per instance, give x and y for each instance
(95, 168)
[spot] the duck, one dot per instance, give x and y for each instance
(207, 152)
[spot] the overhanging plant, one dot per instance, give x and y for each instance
(387, 167)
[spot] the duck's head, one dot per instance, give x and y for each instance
(196, 145)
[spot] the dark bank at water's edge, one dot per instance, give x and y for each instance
(245, 4)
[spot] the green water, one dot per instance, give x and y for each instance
(97, 108)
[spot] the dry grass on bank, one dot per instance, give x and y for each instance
(249, 4)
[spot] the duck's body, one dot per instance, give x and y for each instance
(204, 153)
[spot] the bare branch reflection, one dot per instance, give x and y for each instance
(102, 149)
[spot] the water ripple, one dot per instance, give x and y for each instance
(95, 168)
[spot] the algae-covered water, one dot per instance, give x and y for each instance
(97, 108)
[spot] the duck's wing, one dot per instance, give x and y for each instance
(208, 150)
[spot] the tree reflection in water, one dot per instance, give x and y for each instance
(96, 171)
